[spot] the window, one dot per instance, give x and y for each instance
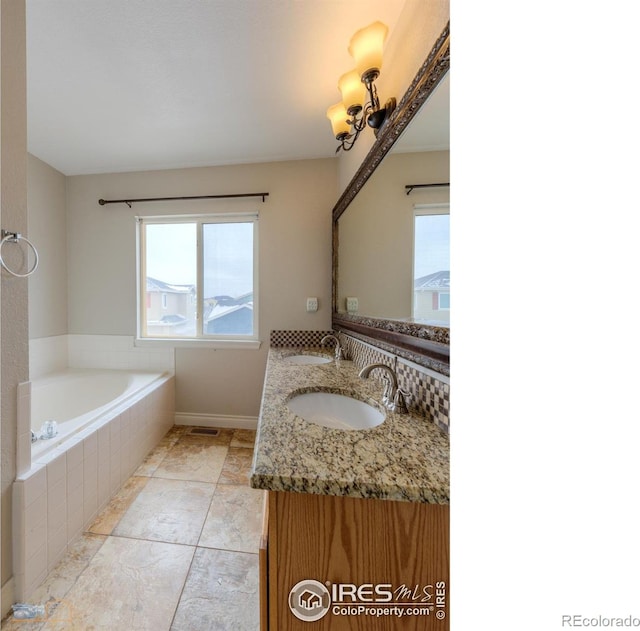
(431, 264)
(197, 277)
(443, 300)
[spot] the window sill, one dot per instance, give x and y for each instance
(199, 343)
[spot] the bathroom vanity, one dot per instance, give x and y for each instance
(356, 523)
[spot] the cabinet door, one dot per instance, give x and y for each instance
(263, 566)
(369, 554)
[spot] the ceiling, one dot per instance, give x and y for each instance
(127, 85)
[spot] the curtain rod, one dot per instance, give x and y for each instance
(128, 202)
(410, 187)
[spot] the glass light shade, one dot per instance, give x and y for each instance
(338, 116)
(366, 47)
(352, 89)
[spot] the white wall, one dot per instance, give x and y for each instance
(14, 354)
(48, 231)
(418, 27)
(294, 251)
(375, 250)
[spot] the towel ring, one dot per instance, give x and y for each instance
(14, 237)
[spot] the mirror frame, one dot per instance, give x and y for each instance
(423, 344)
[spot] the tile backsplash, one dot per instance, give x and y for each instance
(51, 354)
(428, 390)
(297, 338)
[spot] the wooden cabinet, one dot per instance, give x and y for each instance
(263, 566)
(374, 558)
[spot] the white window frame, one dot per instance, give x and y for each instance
(201, 339)
(441, 208)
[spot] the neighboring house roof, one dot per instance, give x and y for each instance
(437, 280)
(237, 319)
(220, 305)
(222, 311)
(229, 301)
(153, 284)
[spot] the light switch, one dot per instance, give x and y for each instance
(352, 305)
(312, 304)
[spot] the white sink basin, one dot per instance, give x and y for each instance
(336, 411)
(305, 360)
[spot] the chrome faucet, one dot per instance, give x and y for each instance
(393, 398)
(327, 338)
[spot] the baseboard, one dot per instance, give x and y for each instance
(216, 420)
(7, 596)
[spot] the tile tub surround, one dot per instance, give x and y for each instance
(118, 352)
(138, 566)
(63, 492)
(404, 458)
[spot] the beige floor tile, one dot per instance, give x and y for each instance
(193, 459)
(108, 518)
(175, 432)
(11, 624)
(167, 510)
(237, 466)
(221, 593)
(153, 460)
(133, 578)
(234, 521)
(59, 582)
(129, 584)
(244, 438)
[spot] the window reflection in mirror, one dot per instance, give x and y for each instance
(375, 234)
(373, 251)
(431, 299)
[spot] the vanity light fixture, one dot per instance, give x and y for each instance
(348, 118)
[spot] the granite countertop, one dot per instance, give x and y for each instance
(404, 458)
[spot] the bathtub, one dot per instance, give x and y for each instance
(77, 398)
(108, 421)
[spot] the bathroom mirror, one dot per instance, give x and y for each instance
(387, 322)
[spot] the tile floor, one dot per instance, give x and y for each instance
(176, 549)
